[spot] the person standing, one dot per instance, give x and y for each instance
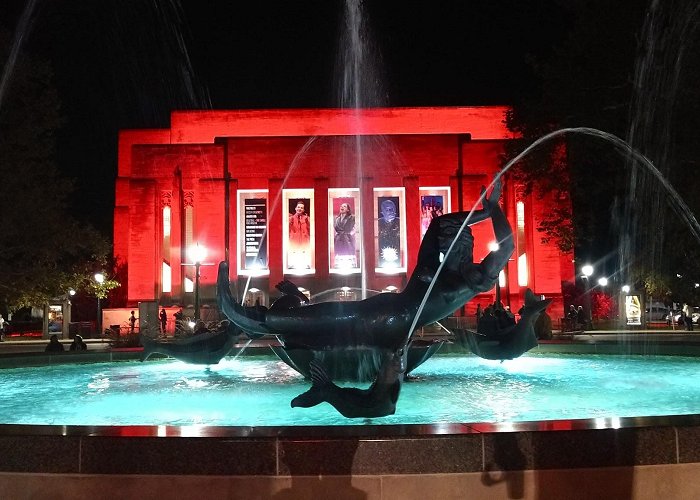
(163, 316)
(582, 317)
(54, 345)
(2, 329)
(132, 323)
(688, 317)
(572, 318)
(78, 344)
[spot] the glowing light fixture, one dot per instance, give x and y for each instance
(587, 270)
(197, 253)
(99, 279)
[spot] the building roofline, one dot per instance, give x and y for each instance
(481, 122)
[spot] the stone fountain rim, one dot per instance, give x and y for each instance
(348, 431)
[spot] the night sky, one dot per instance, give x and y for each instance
(126, 63)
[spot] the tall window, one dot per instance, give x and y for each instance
(523, 273)
(345, 233)
(252, 232)
(188, 240)
(166, 272)
(434, 202)
(298, 231)
(390, 230)
(167, 282)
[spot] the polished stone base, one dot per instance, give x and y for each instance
(639, 458)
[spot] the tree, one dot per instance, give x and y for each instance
(631, 72)
(583, 83)
(44, 251)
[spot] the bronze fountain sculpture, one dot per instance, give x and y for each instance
(445, 278)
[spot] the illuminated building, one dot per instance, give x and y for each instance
(234, 181)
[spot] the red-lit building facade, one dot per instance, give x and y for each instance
(265, 189)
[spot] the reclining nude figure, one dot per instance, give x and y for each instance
(383, 321)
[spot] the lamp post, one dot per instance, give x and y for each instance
(66, 312)
(493, 247)
(197, 255)
(603, 282)
(99, 279)
(587, 271)
(622, 305)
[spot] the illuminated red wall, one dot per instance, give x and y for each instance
(409, 147)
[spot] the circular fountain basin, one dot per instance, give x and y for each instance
(256, 391)
(78, 430)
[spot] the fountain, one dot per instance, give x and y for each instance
(502, 452)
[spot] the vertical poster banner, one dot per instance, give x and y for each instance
(252, 232)
(298, 231)
(345, 235)
(390, 230)
(434, 201)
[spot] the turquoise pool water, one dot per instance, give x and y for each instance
(256, 391)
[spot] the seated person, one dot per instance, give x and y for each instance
(54, 345)
(78, 344)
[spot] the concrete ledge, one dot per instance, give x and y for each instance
(586, 346)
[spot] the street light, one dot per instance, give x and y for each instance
(603, 281)
(197, 254)
(493, 246)
(587, 271)
(99, 279)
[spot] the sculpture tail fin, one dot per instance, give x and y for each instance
(316, 395)
(249, 319)
(533, 305)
